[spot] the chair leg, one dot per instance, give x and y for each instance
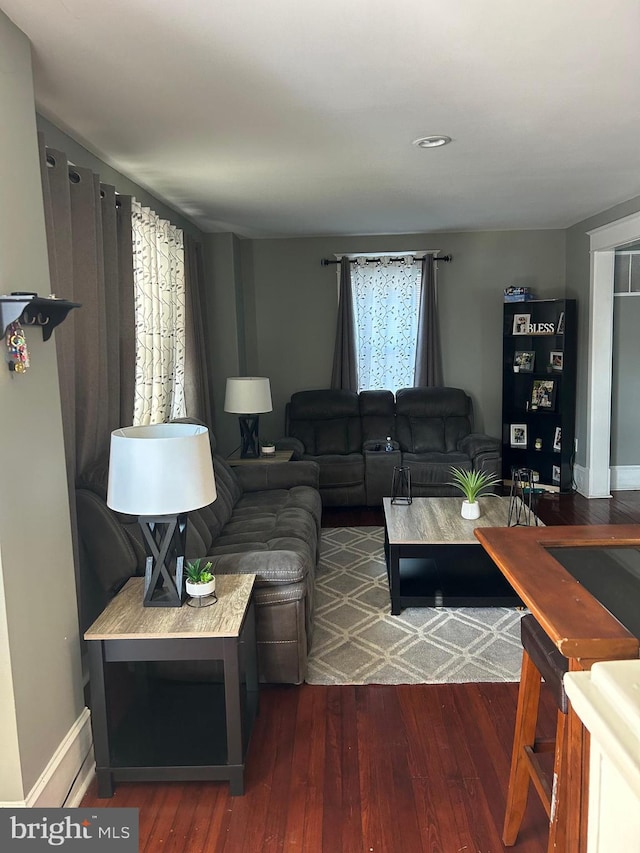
(559, 799)
(524, 735)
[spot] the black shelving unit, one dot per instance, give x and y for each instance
(539, 390)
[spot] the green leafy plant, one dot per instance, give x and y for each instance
(473, 484)
(197, 573)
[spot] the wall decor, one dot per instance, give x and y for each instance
(17, 352)
(518, 435)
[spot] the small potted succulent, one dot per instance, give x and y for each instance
(267, 448)
(199, 581)
(472, 484)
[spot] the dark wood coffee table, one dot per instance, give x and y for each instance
(434, 559)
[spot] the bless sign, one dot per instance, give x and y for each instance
(541, 328)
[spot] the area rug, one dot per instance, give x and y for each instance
(357, 641)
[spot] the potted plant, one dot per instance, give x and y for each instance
(199, 581)
(472, 484)
(268, 448)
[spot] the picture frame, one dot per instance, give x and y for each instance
(556, 360)
(518, 435)
(557, 439)
(521, 324)
(524, 360)
(555, 473)
(543, 394)
(560, 326)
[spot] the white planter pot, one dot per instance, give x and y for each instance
(470, 510)
(200, 590)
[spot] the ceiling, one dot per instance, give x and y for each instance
(296, 117)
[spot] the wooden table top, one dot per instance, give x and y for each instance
(125, 617)
(437, 521)
(582, 629)
(279, 456)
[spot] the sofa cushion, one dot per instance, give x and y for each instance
(377, 413)
(340, 469)
(325, 421)
(434, 468)
(432, 420)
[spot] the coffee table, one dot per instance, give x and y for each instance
(433, 558)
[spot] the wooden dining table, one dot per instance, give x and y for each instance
(580, 583)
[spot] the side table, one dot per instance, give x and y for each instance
(278, 456)
(167, 729)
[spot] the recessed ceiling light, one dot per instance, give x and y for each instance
(432, 141)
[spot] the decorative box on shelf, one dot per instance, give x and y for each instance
(517, 294)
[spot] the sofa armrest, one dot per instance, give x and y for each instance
(270, 567)
(278, 475)
(476, 443)
(291, 443)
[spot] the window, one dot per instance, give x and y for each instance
(386, 301)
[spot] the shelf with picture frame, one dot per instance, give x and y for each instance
(538, 389)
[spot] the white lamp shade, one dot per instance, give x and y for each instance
(162, 469)
(248, 395)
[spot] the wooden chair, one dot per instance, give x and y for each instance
(540, 660)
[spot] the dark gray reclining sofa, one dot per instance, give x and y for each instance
(345, 434)
(265, 520)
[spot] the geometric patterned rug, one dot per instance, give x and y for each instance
(357, 641)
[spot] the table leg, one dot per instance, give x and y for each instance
(251, 661)
(394, 579)
(233, 707)
(578, 781)
(99, 719)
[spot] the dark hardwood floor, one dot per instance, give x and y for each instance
(374, 769)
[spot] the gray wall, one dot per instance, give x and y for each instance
(40, 675)
(625, 410)
(295, 302)
(578, 284)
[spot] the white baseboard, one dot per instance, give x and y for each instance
(66, 772)
(622, 477)
(625, 477)
(581, 479)
(81, 782)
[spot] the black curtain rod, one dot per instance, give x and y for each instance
(325, 262)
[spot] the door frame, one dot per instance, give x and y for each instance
(603, 243)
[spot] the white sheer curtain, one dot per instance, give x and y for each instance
(386, 299)
(159, 291)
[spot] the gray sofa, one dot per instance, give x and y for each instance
(266, 519)
(345, 434)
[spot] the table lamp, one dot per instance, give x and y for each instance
(248, 396)
(160, 473)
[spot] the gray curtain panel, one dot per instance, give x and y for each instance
(196, 382)
(89, 244)
(345, 368)
(428, 370)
